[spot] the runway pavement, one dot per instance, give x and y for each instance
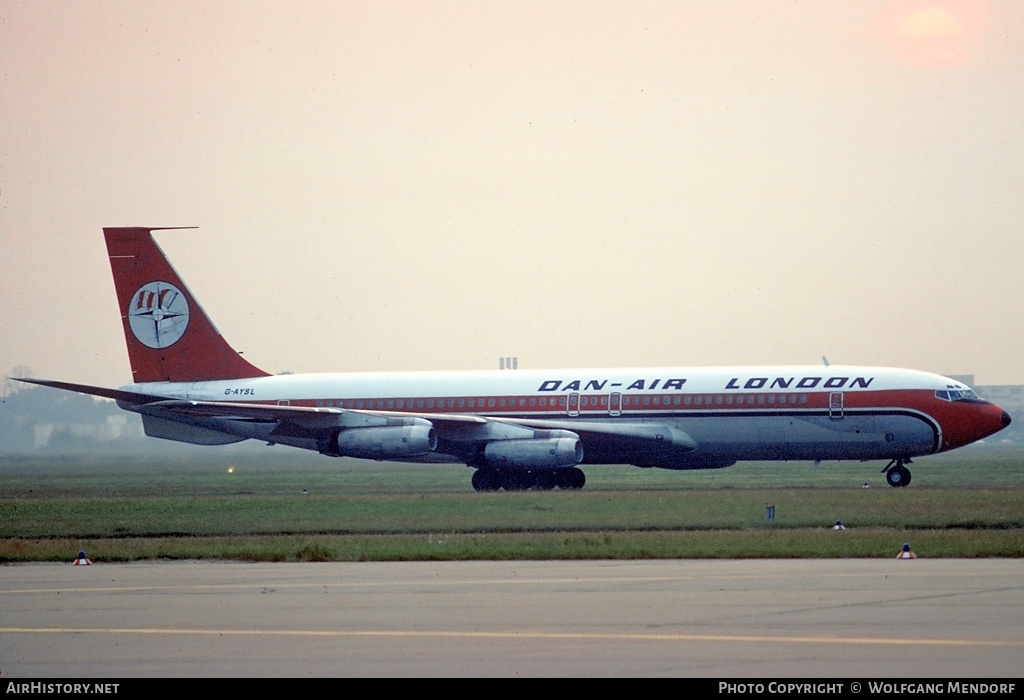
(726, 619)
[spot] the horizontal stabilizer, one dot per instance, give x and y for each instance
(116, 394)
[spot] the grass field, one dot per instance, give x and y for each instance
(287, 506)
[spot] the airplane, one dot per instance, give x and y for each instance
(518, 429)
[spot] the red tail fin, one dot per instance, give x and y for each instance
(170, 338)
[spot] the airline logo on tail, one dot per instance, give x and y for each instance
(158, 314)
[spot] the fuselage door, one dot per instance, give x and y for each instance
(574, 405)
(835, 405)
(615, 404)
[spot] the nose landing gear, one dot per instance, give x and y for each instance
(896, 473)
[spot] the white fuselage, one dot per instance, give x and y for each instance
(727, 414)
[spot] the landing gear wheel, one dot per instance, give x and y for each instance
(517, 479)
(486, 479)
(546, 480)
(898, 476)
(571, 479)
(579, 479)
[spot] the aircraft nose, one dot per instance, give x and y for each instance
(1006, 419)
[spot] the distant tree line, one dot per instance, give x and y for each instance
(40, 418)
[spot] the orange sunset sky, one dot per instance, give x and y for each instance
(434, 185)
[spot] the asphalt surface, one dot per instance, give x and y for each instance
(725, 619)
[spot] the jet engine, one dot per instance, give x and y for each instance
(534, 454)
(390, 442)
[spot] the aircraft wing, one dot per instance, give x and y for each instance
(596, 431)
(302, 414)
(447, 424)
(307, 421)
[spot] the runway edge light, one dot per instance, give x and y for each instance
(82, 560)
(906, 553)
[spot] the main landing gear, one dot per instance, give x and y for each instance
(896, 473)
(490, 479)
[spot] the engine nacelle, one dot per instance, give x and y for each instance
(534, 454)
(393, 442)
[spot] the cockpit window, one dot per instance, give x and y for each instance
(955, 394)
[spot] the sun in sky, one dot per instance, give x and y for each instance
(931, 22)
(935, 34)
